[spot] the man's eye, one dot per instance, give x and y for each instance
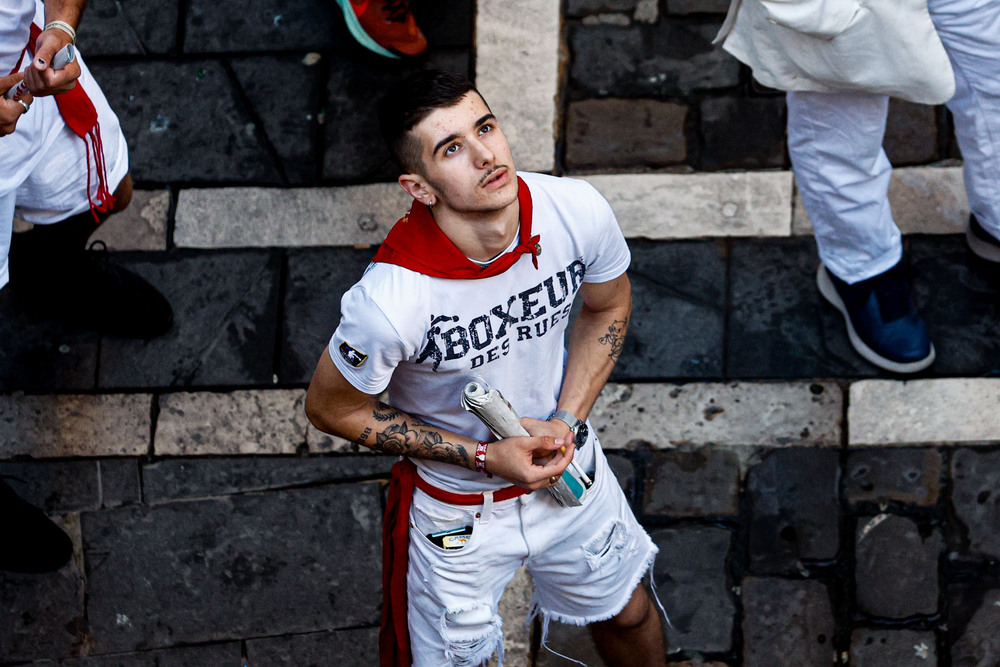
(485, 128)
(451, 150)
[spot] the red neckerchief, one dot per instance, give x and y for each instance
(80, 116)
(416, 242)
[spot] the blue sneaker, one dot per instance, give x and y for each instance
(981, 242)
(882, 324)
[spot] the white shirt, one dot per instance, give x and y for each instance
(423, 338)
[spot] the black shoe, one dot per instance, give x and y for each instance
(84, 289)
(981, 242)
(29, 541)
(882, 324)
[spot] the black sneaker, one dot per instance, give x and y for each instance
(981, 242)
(29, 541)
(89, 291)
(882, 323)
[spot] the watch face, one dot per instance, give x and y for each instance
(581, 434)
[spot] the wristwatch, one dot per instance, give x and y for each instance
(579, 428)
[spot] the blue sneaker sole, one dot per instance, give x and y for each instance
(358, 33)
(829, 293)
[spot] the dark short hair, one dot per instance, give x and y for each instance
(410, 101)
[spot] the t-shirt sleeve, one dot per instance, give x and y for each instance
(365, 347)
(610, 256)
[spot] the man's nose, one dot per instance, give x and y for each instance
(483, 155)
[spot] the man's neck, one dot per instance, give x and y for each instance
(480, 236)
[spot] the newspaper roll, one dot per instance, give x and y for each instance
(502, 420)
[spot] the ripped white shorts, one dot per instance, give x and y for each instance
(585, 563)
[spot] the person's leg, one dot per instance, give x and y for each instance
(842, 173)
(970, 32)
(633, 638)
(30, 542)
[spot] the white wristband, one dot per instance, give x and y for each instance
(65, 27)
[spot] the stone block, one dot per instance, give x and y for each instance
(311, 315)
(229, 654)
(55, 487)
(678, 306)
(779, 325)
(899, 648)
(141, 226)
(657, 61)
(911, 133)
(934, 411)
(976, 641)
(612, 133)
(283, 25)
(340, 647)
(74, 425)
(114, 28)
(924, 200)
(43, 614)
(904, 475)
(896, 575)
(446, 24)
(697, 6)
(165, 129)
(672, 206)
(742, 133)
(794, 515)
(514, 608)
(693, 585)
(578, 8)
(225, 323)
(250, 565)
(265, 217)
(624, 471)
(569, 640)
(975, 500)
(518, 50)
(702, 483)
(269, 421)
(691, 415)
(786, 622)
(43, 355)
(957, 296)
(290, 119)
(119, 482)
(180, 479)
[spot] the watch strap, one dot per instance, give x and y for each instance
(568, 417)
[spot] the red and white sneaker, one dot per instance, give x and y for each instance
(386, 27)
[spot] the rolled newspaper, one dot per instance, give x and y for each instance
(501, 419)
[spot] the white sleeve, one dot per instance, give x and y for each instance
(365, 347)
(608, 255)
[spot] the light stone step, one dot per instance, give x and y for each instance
(959, 411)
(74, 425)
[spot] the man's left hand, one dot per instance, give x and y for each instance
(40, 77)
(10, 111)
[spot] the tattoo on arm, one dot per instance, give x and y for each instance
(385, 413)
(363, 438)
(615, 338)
(422, 444)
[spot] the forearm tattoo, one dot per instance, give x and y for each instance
(421, 443)
(615, 338)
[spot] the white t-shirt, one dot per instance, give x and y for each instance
(423, 338)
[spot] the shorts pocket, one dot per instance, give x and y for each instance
(607, 546)
(436, 519)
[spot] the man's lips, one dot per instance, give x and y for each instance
(494, 176)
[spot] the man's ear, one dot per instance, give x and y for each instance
(417, 188)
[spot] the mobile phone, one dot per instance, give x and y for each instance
(454, 538)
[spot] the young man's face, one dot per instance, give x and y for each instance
(466, 163)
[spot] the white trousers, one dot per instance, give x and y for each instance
(835, 143)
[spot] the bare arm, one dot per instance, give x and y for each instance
(335, 406)
(595, 344)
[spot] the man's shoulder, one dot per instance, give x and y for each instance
(556, 184)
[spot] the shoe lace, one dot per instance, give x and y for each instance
(396, 10)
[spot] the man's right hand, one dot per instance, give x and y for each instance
(11, 111)
(525, 461)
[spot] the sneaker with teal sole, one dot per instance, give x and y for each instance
(385, 27)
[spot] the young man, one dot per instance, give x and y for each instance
(477, 281)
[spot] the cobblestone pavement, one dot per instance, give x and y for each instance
(809, 509)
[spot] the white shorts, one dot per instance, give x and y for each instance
(585, 563)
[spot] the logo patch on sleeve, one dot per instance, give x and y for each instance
(351, 355)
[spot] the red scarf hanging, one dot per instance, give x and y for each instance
(80, 116)
(416, 242)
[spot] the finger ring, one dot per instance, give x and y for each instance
(552, 481)
(24, 104)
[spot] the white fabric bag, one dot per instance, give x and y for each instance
(888, 47)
